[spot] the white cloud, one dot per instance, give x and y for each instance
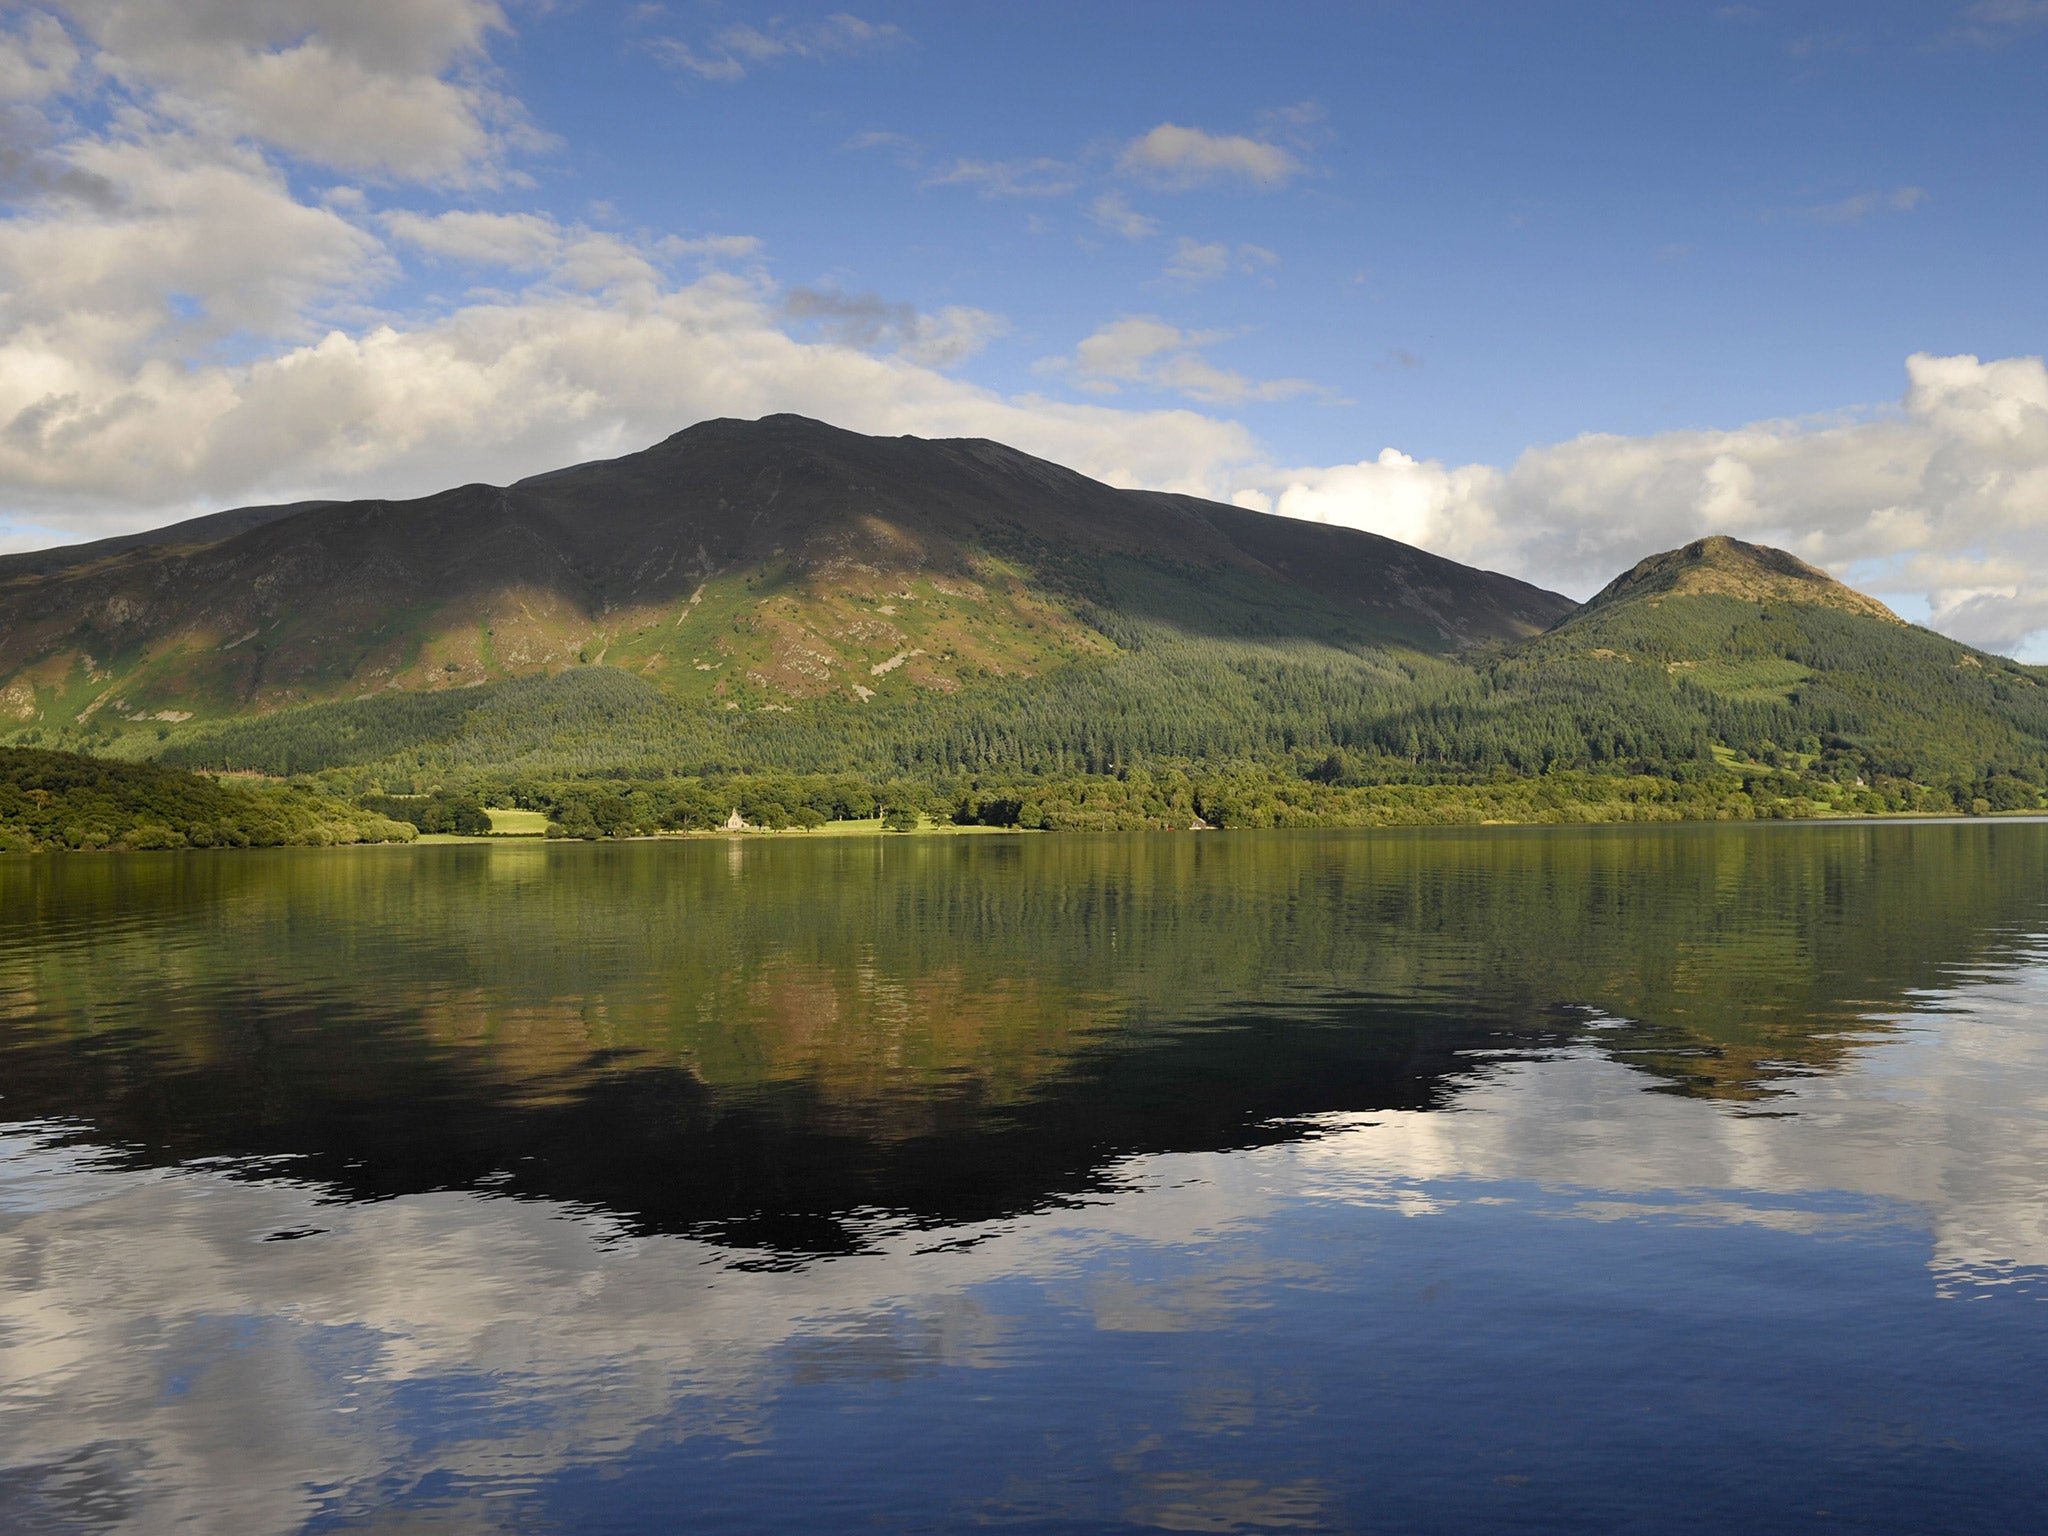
(1113, 211)
(1421, 503)
(1305, 123)
(138, 255)
(677, 54)
(1146, 352)
(1989, 23)
(1194, 262)
(874, 324)
(575, 255)
(155, 229)
(194, 239)
(1854, 210)
(876, 138)
(520, 241)
(1178, 158)
(377, 87)
(1008, 178)
(37, 58)
(836, 35)
(517, 385)
(1944, 498)
(712, 247)
(736, 49)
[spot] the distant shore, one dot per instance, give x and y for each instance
(872, 826)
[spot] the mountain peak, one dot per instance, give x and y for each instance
(1723, 567)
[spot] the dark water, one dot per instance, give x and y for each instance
(1687, 1179)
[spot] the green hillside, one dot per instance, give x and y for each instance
(811, 621)
(61, 800)
(741, 567)
(1659, 681)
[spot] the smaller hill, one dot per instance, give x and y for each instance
(1723, 567)
(62, 800)
(1753, 655)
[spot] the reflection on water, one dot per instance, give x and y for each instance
(1289, 1181)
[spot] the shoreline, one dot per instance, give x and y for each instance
(944, 829)
(847, 830)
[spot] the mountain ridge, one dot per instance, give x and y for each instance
(777, 560)
(784, 597)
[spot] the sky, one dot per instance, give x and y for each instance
(1545, 287)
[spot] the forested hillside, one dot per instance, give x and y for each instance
(741, 566)
(1662, 683)
(777, 610)
(51, 800)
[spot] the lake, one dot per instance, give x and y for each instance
(1623, 1179)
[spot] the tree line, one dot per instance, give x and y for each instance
(61, 800)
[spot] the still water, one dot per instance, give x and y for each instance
(1679, 1179)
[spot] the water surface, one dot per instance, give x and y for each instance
(1683, 1178)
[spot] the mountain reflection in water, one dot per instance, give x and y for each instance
(525, 1186)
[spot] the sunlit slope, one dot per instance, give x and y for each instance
(1714, 657)
(742, 566)
(1731, 652)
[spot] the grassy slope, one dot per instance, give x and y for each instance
(1674, 680)
(938, 646)
(742, 567)
(1803, 677)
(761, 639)
(1173, 699)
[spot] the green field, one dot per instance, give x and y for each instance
(873, 824)
(517, 823)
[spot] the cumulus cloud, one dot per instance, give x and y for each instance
(183, 326)
(1113, 211)
(520, 241)
(1177, 159)
(394, 88)
(1421, 503)
(180, 328)
(575, 254)
(1943, 498)
(30, 170)
(874, 324)
(206, 235)
(37, 58)
(1145, 352)
(515, 385)
(1195, 262)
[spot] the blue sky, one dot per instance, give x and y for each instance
(1513, 222)
(1543, 286)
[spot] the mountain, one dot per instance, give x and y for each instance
(749, 565)
(1725, 567)
(1739, 654)
(782, 597)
